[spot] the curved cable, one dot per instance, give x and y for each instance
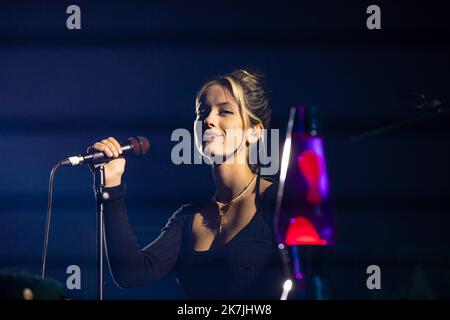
(49, 215)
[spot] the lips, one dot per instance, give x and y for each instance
(210, 135)
(211, 138)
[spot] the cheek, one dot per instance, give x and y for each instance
(234, 132)
(233, 124)
(234, 137)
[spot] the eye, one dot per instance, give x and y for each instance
(226, 112)
(201, 113)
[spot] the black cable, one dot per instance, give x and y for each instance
(435, 106)
(49, 215)
(396, 125)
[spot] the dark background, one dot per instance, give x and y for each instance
(134, 69)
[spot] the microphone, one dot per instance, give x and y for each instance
(134, 147)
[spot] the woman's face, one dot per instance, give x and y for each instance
(222, 124)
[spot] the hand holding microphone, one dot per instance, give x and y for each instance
(114, 169)
(110, 152)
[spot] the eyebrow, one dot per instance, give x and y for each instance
(220, 105)
(224, 104)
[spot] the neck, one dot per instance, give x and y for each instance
(231, 180)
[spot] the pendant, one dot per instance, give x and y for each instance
(221, 221)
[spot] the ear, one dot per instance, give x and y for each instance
(254, 133)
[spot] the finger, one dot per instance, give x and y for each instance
(104, 148)
(116, 144)
(111, 147)
(95, 147)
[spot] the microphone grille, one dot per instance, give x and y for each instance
(140, 145)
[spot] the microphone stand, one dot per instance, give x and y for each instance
(99, 184)
(138, 147)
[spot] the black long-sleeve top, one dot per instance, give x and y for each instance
(246, 267)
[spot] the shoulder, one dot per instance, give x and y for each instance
(180, 215)
(186, 211)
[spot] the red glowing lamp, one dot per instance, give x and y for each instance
(301, 232)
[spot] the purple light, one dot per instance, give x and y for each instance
(327, 232)
(298, 276)
(316, 145)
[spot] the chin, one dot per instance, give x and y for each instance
(213, 150)
(209, 150)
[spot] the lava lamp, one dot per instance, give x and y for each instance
(303, 216)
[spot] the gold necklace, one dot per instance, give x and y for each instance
(226, 206)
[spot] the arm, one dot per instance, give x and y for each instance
(130, 265)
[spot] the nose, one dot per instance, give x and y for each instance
(209, 120)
